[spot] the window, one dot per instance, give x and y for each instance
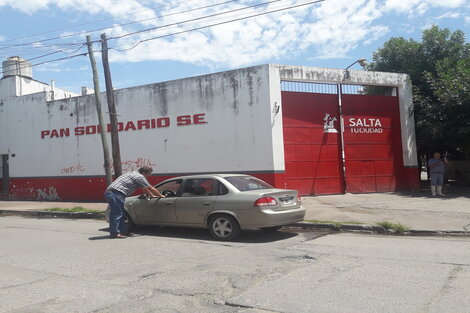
(245, 183)
(170, 188)
(223, 190)
(198, 187)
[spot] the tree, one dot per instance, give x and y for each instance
(439, 68)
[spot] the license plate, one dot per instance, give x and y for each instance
(287, 201)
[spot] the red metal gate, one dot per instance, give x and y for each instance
(312, 142)
(312, 146)
(372, 142)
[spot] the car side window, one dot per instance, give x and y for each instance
(223, 190)
(198, 187)
(170, 189)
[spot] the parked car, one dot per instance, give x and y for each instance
(223, 203)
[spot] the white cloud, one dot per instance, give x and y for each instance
(330, 29)
(60, 69)
(448, 15)
(419, 7)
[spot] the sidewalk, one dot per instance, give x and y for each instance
(417, 211)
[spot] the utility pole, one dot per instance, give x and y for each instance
(96, 84)
(111, 107)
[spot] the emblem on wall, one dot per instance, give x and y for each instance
(329, 124)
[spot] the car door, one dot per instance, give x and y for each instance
(197, 198)
(158, 210)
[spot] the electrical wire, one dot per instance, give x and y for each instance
(48, 54)
(216, 24)
(55, 60)
(94, 22)
(195, 19)
(3, 46)
(180, 32)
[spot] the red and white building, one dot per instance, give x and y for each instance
(305, 128)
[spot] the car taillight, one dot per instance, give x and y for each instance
(299, 199)
(265, 201)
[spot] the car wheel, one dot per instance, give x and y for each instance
(271, 229)
(224, 227)
(130, 223)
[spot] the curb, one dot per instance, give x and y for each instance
(377, 229)
(370, 229)
(48, 214)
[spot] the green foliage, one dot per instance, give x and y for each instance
(439, 67)
(76, 209)
(397, 227)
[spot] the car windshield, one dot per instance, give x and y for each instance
(246, 183)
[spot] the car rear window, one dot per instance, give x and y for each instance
(246, 183)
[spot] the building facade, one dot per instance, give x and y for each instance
(303, 128)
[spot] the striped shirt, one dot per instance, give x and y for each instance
(128, 183)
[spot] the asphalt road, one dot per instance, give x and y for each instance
(56, 265)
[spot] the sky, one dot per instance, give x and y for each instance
(159, 40)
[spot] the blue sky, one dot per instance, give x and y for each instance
(332, 33)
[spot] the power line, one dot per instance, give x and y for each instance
(93, 22)
(189, 30)
(216, 24)
(114, 26)
(55, 60)
(195, 19)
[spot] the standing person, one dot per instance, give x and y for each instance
(117, 192)
(437, 168)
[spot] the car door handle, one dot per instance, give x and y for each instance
(206, 203)
(169, 203)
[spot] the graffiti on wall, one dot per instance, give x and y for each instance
(47, 194)
(78, 168)
(134, 165)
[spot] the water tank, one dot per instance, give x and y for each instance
(16, 66)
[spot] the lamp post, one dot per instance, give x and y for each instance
(347, 75)
(362, 62)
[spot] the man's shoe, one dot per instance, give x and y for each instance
(129, 234)
(118, 236)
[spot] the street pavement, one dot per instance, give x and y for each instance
(63, 265)
(418, 210)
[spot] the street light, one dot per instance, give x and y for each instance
(362, 62)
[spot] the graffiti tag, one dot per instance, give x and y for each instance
(73, 169)
(129, 166)
(50, 194)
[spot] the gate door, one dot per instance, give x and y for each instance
(372, 142)
(312, 142)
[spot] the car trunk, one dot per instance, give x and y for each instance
(286, 199)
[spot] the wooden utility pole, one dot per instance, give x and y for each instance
(112, 108)
(96, 84)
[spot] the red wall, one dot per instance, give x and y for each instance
(84, 188)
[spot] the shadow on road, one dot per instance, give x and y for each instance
(247, 236)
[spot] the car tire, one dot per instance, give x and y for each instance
(271, 229)
(130, 223)
(223, 227)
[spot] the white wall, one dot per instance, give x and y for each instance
(237, 136)
(14, 86)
